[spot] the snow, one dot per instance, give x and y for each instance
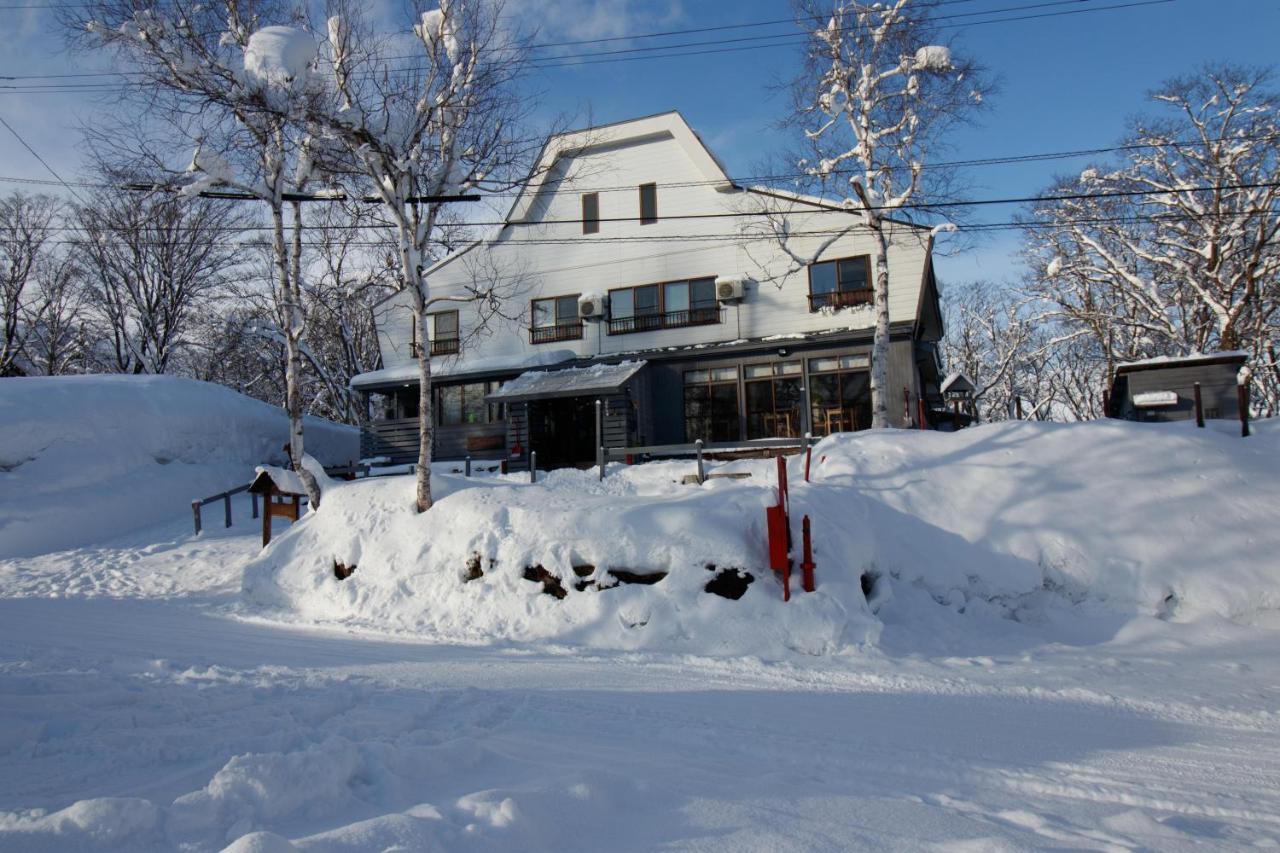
(1054, 269)
(1189, 359)
(1155, 398)
(593, 379)
(146, 704)
(405, 373)
(952, 378)
(933, 57)
(83, 457)
(279, 56)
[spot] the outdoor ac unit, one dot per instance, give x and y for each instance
(592, 307)
(731, 288)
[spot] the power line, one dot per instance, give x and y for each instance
(603, 57)
(43, 162)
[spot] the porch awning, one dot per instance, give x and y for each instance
(568, 382)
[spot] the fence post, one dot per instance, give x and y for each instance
(254, 496)
(533, 466)
(920, 409)
(1242, 402)
(1017, 406)
(906, 404)
(808, 454)
(467, 471)
(502, 466)
(226, 507)
(1199, 406)
(702, 474)
(806, 567)
(195, 511)
(600, 436)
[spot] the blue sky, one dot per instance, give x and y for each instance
(1066, 82)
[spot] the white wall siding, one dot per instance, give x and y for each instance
(596, 263)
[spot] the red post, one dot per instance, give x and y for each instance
(1199, 406)
(806, 567)
(1242, 401)
(920, 408)
(808, 457)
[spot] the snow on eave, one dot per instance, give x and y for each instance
(1225, 356)
(407, 374)
(952, 379)
(567, 381)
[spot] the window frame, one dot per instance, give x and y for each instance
(817, 425)
(702, 313)
(557, 330)
(650, 216)
(709, 384)
(840, 297)
(492, 413)
(439, 346)
(776, 375)
(591, 213)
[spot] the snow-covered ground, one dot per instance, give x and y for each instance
(147, 703)
(86, 457)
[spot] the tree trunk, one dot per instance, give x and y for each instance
(880, 343)
(424, 406)
(291, 327)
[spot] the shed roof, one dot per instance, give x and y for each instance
(1234, 357)
(569, 382)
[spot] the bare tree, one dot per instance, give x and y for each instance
(421, 134)
(60, 341)
(1177, 249)
(234, 78)
(877, 95)
(27, 224)
(151, 263)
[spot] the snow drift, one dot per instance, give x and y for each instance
(83, 458)
(1156, 519)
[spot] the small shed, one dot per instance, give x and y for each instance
(1163, 389)
(282, 493)
(958, 391)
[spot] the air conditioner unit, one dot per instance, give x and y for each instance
(731, 288)
(592, 306)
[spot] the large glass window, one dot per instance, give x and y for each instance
(840, 283)
(775, 394)
(456, 405)
(711, 405)
(840, 393)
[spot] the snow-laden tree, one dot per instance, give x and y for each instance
(877, 96)
(233, 79)
(152, 262)
(27, 227)
(422, 131)
(1175, 249)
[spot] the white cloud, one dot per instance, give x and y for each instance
(559, 20)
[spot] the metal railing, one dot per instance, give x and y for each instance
(670, 320)
(440, 346)
(605, 455)
(559, 332)
(840, 299)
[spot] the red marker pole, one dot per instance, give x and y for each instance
(806, 567)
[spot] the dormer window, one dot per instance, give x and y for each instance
(648, 204)
(590, 213)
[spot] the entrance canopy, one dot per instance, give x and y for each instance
(598, 379)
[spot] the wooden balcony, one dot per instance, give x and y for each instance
(551, 334)
(670, 320)
(840, 299)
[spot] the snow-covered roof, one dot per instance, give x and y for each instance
(569, 382)
(1176, 360)
(284, 480)
(408, 372)
(1152, 399)
(957, 381)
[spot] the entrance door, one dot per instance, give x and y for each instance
(562, 431)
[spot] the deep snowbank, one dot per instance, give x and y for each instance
(83, 458)
(1000, 520)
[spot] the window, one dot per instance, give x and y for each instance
(663, 306)
(444, 333)
(711, 405)
(775, 395)
(840, 393)
(648, 204)
(555, 319)
(590, 213)
(456, 405)
(840, 283)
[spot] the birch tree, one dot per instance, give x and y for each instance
(1176, 249)
(877, 96)
(233, 78)
(422, 133)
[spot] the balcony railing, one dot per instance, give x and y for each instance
(440, 346)
(840, 299)
(551, 334)
(670, 320)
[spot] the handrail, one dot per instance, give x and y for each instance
(690, 449)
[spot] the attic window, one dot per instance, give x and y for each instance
(648, 204)
(590, 213)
